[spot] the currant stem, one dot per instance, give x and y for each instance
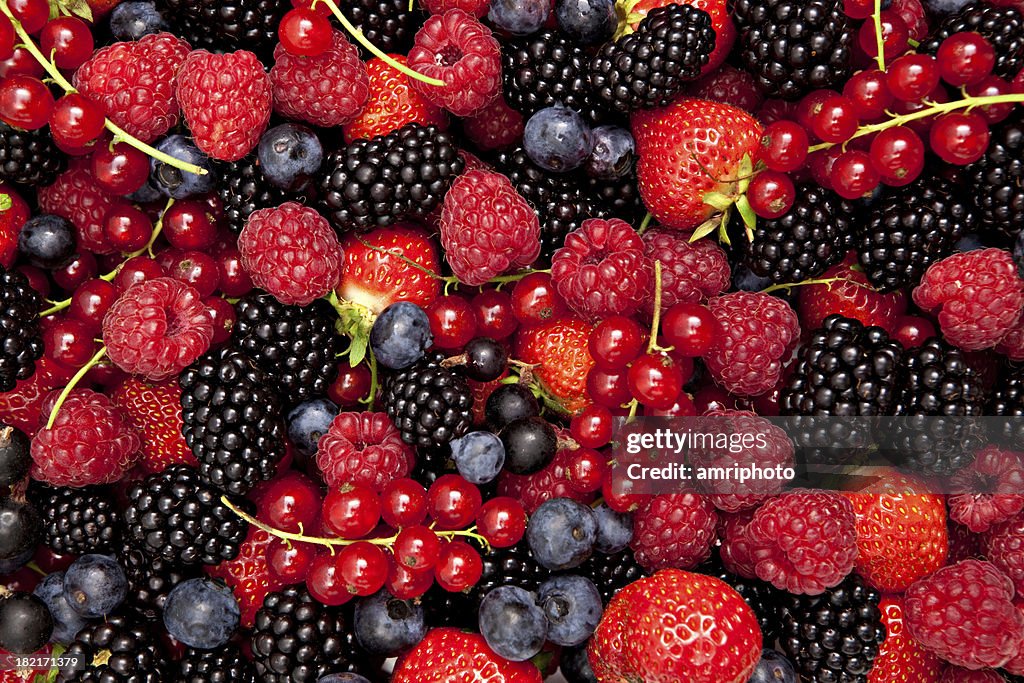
(74, 381)
(652, 343)
(828, 282)
(157, 229)
(372, 396)
(876, 16)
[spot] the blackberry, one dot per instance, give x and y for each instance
(762, 597)
(793, 47)
(431, 463)
(228, 25)
(150, 579)
(21, 340)
(430, 404)
(649, 67)
(1001, 26)
(232, 420)
(1008, 401)
(833, 637)
(404, 174)
(242, 189)
(997, 179)
(388, 24)
(814, 234)
(912, 228)
(175, 516)
(115, 650)
(295, 346)
(29, 157)
(226, 664)
(619, 198)
(296, 639)
(611, 573)
(79, 520)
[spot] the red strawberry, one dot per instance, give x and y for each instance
(855, 299)
(376, 280)
(155, 411)
(721, 21)
(248, 575)
(559, 347)
(900, 659)
(448, 655)
(13, 214)
(392, 104)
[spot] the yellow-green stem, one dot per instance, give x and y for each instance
(828, 282)
(372, 396)
(157, 229)
(652, 343)
(55, 308)
(74, 382)
(879, 39)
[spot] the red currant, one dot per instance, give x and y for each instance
(290, 562)
(69, 342)
(502, 521)
(25, 102)
(69, 40)
(690, 328)
(91, 301)
(655, 379)
(494, 315)
(592, 427)
(405, 584)
(224, 318)
(137, 269)
(965, 58)
(898, 155)
(923, 125)
(324, 581)
(363, 568)
(609, 389)
(21, 63)
(350, 386)
(912, 76)
(959, 138)
(458, 567)
(452, 321)
(452, 502)
(82, 268)
(126, 228)
(683, 407)
(351, 511)
(821, 163)
(417, 547)
(7, 37)
(77, 120)
(305, 33)
(771, 194)
(618, 493)
(853, 174)
(534, 300)
(234, 280)
(784, 146)
(290, 502)
(858, 9)
(895, 35)
(586, 470)
(810, 106)
(868, 92)
(834, 120)
(198, 269)
(912, 330)
(120, 168)
(33, 14)
(991, 86)
(615, 342)
(403, 503)
(190, 224)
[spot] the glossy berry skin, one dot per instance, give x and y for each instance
(363, 568)
(119, 168)
(898, 155)
(33, 14)
(458, 566)
(305, 33)
(912, 76)
(690, 328)
(534, 300)
(47, 241)
(853, 174)
(351, 384)
(417, 548)
(290, 502)
(895, 35)
(453, 502)
(70, 41)
(834, 121)
(451, 322)
(25, 102)
(127, 228)
(655, 379)
(502, 521)
(592, 427)
(868, 92)
(403, 503)
(76, 120)
(959, 138)
(190, 224)
(494, 316)
(290, 563)
(965, 58)
(69, 342)
(615, 342)
(784, 146)
(351, 511)
(771, 194)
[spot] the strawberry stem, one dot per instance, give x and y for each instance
(876, 16)
(74, 381)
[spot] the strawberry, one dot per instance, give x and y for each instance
(676, 626)
(900, 659)
(248, 575)
(854, 299)
(721, 21)
(376, 280)
(155, 412)
(448, 655)
(559, 348)
(13, 214)
(392, 104)
(689, 149)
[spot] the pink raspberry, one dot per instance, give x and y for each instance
(76, 197)
(964, 614)
(728, 85)
(459, 50)
(1012, 345)
(991, 488)
(963, 543)
(226, 100)
(690, 272)
(673, 530)
(363, 448)
(1003, 546)
(292, 252)
(157, 328)
(551, 482)
(979, 297)
(602, 270)
(134, 81)
(327, 90)
(487, 228)
(90, 442)
(735, 549)
(477, 8)
(496, 126)
(761, 332)
(803, 541)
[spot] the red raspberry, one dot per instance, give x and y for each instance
(690, 272)
(913, 14)
(76, 197)
(735, 549)
(1003, 546)
(477, 8)
(21, 406)
(673, 530)
(154, 410)
(1013, 343)
(487, 228)
(730, 86)
(963, 543)
(248, 575)
(462, 52)
(964, 613)
(292, 252)
(978, 294)
(327, 90)
(551, 482)
(363, 448)
(90, 442)
(392, 104)
(852, 296)
(602, 269)
(157, 328)
(496, 126)
(226, 100)
(134, 81)
(956, 674)
(993, 470)
(760, 332)
(803, 541)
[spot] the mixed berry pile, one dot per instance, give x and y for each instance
(316, 320)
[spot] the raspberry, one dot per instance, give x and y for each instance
(486, 228)
(363, 448)
(134, 81)
(248, 575)
(956, 674)
(964, 613)
(154, 410)
(327, 90)
(459, 50)
(803, 541)
(1013, 343)
(496, 126)
(735, 549)
(760, 332)
(89, 443)
(991, 486)
(291, 252)
(690, 272)
(728, 85)
(551, 482)
(602, 269)
(21, 406)
(157, 328)
(979, 295)
(393, 103)
(226, 100)
(963, 544)
(76, 197)
(477, 8)
(1003, 546)
(673, 530)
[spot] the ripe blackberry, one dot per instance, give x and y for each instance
(296, 638)
(431, 463)
(611, 573)
(1008, 401)
(430, 404)
(1001, 26)
(21, 341)
(814, 234)
(29, 157)
(227, 25)
(79, 520)
(232, 420)
(116, 650)
(833, 637)
(295, 346)
(375, 183)
(792, 47)
(997, 179)
(150, 579)
(650, 66)
(388, 24)
(764, 599)
(175, 516)
(242, 189)
(910, 229)
(619, 198)
(226, 664)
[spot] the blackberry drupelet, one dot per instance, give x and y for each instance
(762, 597)
(176, 516)
(150, 579)
(619, 198)
(21, 340)
(793, 47)
(430, 404)
(375, 183)
(295, 346)
(813, 235)
(79, 520)
(232, 420)
(910, 229)
(1001, 26)
(1008, 401)
(833, 637)
(116, 650)
(226, 664)
(611, 573)
(242, 189)
(649, 67)
(431, 463)
(388, 24)
(228, 25)
(997, 179)
(29, 157)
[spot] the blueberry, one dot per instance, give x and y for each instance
(201, 613)
(509, 402)
(47, 241)
(149, 192)
(971, 242)
(614, 529)
(25, 623)
(1018, 253)
(174, 182)
(13, 564)
(746, 280)
(478, 456)
(95, 585)
(66, 621)
(290, 154)
(941, 8)
(15, 459)
(530, 445)
(343, 678)
(587, 21)
(562, 534)
(557, 139)
(773, 668)
(135, 19)
(613, 153)
(308, 421)
(573, 607)
(519, 17)
(385, 625)
(400, 335)
(486, 359)
(575, 665)
(512, 623)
